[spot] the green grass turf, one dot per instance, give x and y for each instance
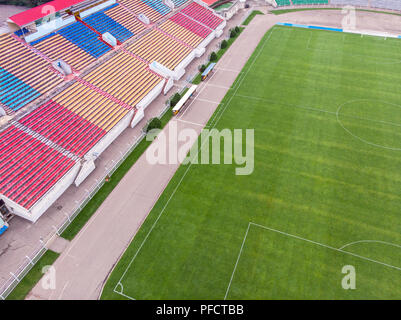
(33, 276)
(326, 111)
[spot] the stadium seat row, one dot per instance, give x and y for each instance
(191, 25)
(202, 15)
(131, 84)
(24, 76)
(181, 33)
(103, 23)
(155, 46)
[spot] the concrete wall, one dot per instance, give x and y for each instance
(53, 194)
(152, 95)
(49, 27)
(99, 147)
(87, 167)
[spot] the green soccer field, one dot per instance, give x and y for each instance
(325, 192)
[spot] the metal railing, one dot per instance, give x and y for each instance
(17, 276)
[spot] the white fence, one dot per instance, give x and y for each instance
(30, 261)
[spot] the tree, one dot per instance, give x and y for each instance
(233, 34)
(174, 100)
(237, 30)
(213, 56)
(223, 44)
(202, 68)
(154, 123)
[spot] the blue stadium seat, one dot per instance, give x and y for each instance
(14, 93)
(84, 38)
(103, 23)
(158, 5)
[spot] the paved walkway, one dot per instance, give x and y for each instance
(85, 264)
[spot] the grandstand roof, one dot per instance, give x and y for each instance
(36, 13)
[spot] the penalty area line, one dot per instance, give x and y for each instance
(309, 241)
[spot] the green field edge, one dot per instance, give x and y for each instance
(284, 11)
(113, 281)
(33, 276)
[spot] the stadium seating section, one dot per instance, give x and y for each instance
(202, 15)
(179, 3)
(131, 85)
(125, 18)
(155, 46)
(158, 6)
(41, 146)
(191, 25)
(103, 23)
(281, 3)
(75, 119)
(58, 47)
(138, 7)
(33, 168)
(24, 75)
(84, 38)
(182, 33)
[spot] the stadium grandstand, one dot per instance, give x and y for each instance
(73, 80)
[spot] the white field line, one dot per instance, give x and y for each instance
(309, 241)
(236, 263)
(186, 171)
(394, 124)
(381, 61)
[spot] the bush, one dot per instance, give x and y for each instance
(237, 30)
(202, 68)
(154, 123)
(223, 44)
(174, 100)
(233, 34)
(213, 56)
